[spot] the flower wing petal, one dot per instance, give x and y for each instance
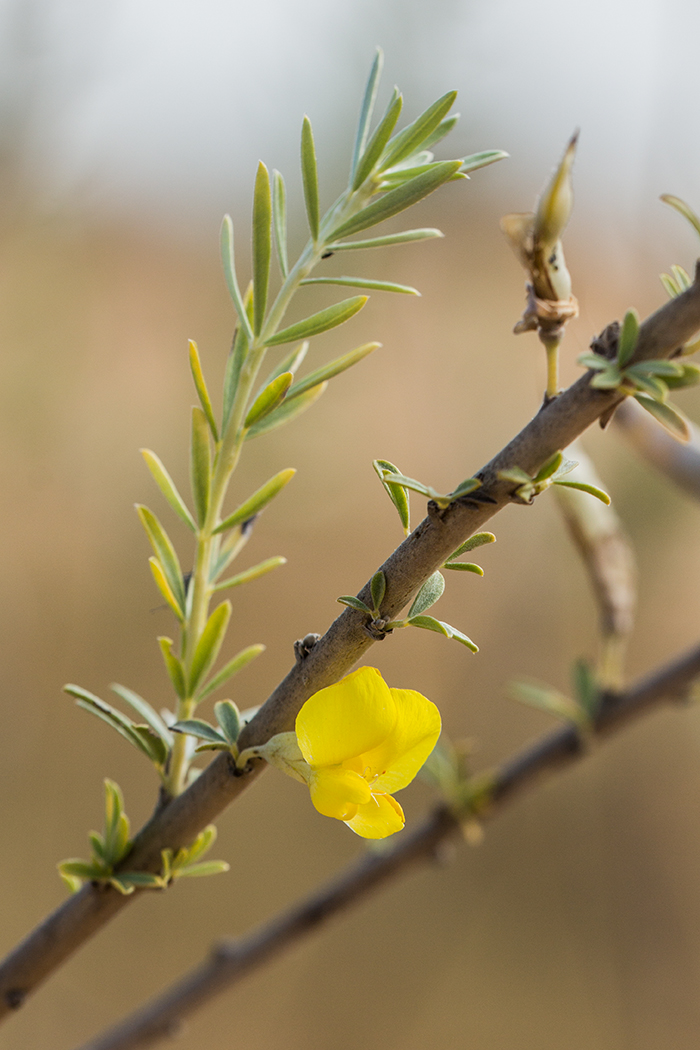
(395, 762)
(376, 819)
(338, 792)
(343, 720)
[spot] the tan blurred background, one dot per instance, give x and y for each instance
(129, 128)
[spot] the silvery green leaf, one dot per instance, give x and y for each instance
(689, 377)
(153, 745)
(173, 666)
(670, 285)
(583, 486)
(262, 244)
(397, 493)
(464, 488)
(412, 137)
(656, 368)
(429, 623)
(684, 209)
(200, 463)
(234, 364)
(366, 111)
(378, 589)
(364, 282)
(319, 322)
(682, 277)
(287, 411)
(279, 217)
(199, 728)
(201, 388)
(647, 384)
(406, 237)
(208, 646)
(550, 700)
(236, 664)
(481, 160)
(144, 708)
(329, 371)
(441, 131)
(667, 415)
(107, 714)
(565, 467)
(258, 500)
(608, 379)
(464, 566)
(310, 176)
(378, 140)
(516, 475)
(229, 718)
(291, 362)
(164, 552)
(164, 588)
(206, 867)
(594, 361)
(398, 200)
(229, 264)
(253, 573)
(97, 844)
(268, 400)
(428, 594)
(82, 869)
(477, 540)
(127, 881)
(354, 603)
(200, 847)
(398, 175)
(629, 334)
(211, 747)
(167, 486)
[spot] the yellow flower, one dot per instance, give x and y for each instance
(361, 740)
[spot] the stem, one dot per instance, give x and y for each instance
(551, 345)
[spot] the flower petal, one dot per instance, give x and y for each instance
(397, 759)
(338, 792)
(343, 720)
(381, 817)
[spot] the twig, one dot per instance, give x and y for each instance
(234, 959)
(679, 462)
(555, 426)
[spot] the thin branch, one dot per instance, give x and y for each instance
(679, 462)
(554, 427)
(234, 959)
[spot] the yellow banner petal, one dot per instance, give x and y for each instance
(397, 759)
(342, 721)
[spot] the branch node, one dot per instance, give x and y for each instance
(303, 646)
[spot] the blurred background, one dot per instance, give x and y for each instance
(128, 129)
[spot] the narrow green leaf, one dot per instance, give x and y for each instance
(684, 209)
(585, 687)
(406, 237)
(647, 384)
(206, 867)
(670, 285)
(167, 486)
(413, 136)
(118, 883)
(629, 334)
(262, 244)
(197, 727)
(592, 490)
(550, 467)
(608, 379)
(114, 718)
(462, 638)
(165, 553)
(683, 279)
(319, 322)
(463, 489)
(254, 573)
(153, 745)
(309, 174)
(139, 880)
(667, 416)
(200, 463)
(208, 645)
(464, 566)
(80, 868)
(364, 282)
(268, 400)
(397, 493)
(429, 623)
(378, 141)
(477, 540)
(287, 411)
(322, 375)
(229, 718)
(355, 603)
(258, 500)
(227, 258)
(546, 699)
(279, 217)
(378, 590)
(239, 661)
(398, 200)
(662, 368)
(429, 593)
(97, 844)
(441, 131)
(234, 364)
(164, 588)
(144, 708)
(481, 160)
(173, 666)
(212, 747)
(291, 362)
(366, 111)
(594, 361)
(201, 388)
(690, 376)
(408, 483)
(199, 848)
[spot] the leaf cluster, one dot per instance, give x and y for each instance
(551, 473)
